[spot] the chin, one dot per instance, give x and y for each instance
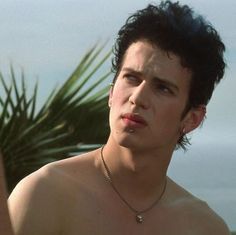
(129, 142)
(124, 139)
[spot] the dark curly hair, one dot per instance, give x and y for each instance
(176, 28)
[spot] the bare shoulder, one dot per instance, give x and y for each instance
(194, 214)
(38, 202)
(68, 171)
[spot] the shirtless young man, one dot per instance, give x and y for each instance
(167, 62)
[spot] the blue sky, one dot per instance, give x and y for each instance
(47, 39)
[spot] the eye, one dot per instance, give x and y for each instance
(132, 79)
(164, 89)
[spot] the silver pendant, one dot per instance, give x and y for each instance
(139, 219)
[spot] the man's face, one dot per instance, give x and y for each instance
(148, 98)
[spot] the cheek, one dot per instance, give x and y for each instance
(168, 118)
(169, 110)
(175, 113)
(118, 96)
(115, 102)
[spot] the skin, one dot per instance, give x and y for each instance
(5, 224)
(73, 196)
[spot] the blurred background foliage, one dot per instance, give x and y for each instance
(73, 119)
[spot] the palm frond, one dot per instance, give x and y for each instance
(73, 115)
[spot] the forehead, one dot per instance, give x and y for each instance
(143, 57)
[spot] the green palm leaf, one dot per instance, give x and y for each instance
(72, 120)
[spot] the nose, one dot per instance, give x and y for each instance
(140, 95)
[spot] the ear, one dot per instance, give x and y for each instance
(193, 118)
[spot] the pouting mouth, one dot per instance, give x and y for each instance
(134, 118)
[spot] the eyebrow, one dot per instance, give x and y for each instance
(157, 79)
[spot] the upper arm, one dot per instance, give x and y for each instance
(207, 222)
(33, 206)
(216, 226)
(5, 225)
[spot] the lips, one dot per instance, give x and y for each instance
(134, 120)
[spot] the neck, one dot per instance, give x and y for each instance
(143, 172)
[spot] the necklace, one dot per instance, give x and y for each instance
(138, 213)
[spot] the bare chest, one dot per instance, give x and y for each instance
(104, 216)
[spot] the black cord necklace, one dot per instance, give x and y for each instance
(138, 213)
